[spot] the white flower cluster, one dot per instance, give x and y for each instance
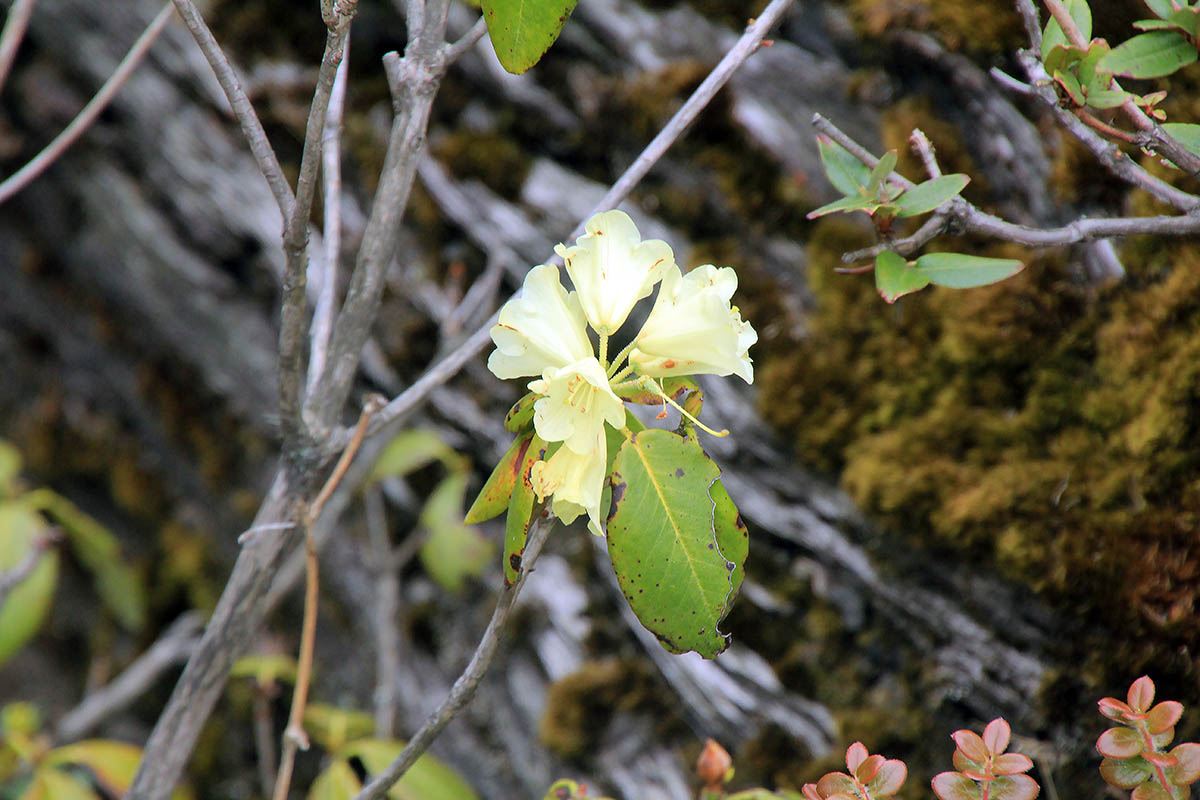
(692, 329)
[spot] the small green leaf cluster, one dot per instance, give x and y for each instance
(26, 518)
(452, 551)
(871, 191)
(868, 777)
(1168, 45)
(1135, 755)
(93, 769)
(874, 193)
(678, 561)
(983, 770)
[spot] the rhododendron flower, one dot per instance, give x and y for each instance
(612, 268)
(541, 327)
(693, 330)
(576, 480)
(576, 403)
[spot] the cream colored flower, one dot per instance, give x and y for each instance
(693, 330)
(541, 327)
(577, 401)
(612, 268)
(576, 480)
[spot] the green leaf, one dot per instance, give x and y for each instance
(51, 784)
(959, 271)
(664, 544)
(493, 497)
(409, 451)
(332, 727)
(1119, 742)
(1149, 55)
(1014, 787)
(856, 203)
(927, 196)
(428, 779)
(523, 30)
(733, 540)
(1186, 133)
(337, 782)
(266, 670)
(894, 278)
(111, 764)
(1070, 85)
(10, 466)
(1126, 773)
(1185, 19)
(955, 786)
(879, 174)
(847, 174)
(25, 607)
(1153, 25)
(119, 587)
(1187, 770)
(520, 512)
(1107, 98)
(1160, 8)
(1053, 34)
(520, 417)
(453, 550)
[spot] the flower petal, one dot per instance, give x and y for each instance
(693, 330)
(612, 268)
(541, 327)
(575, 480)
(577, 402)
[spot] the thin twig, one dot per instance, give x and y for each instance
(14, 31)
(383, 613)
(466, 684)
(963, 215)
(924, 148)
(295, 237)
(747, 45)
(331, 176)
(264, 736)
(466, 41)
(243, 109)
(174, 647)
(26, 174)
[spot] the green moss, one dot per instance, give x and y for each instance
(494, 159)
(974, 27)
(579, 706)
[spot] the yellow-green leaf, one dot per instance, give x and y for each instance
(265, 669)
(493, 497)
(409, 451)
(428, 779)
(332, 727)
(523, 30)
(25, 607)
(520, 511)
(453, 550)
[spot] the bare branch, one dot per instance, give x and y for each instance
(331, 176)
(466, 41)
(14, 31)
(174, 647)
(383, 613)
(464, 687)
(924, 148)
(243, 109)
(26, 174)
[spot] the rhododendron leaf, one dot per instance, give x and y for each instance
(835, 783)
(492, 500)
(1141, 694)
(894, 277)
(1187, 768)
(1014, 787)
(1119, 743)
(979, 775)
(520, 417)
(927, 196)
(523, 30)
(889, 779)
(962, 763)
(1126, 773)
(971, 745)
(1053, 34)
(866, 768)
(25, 606)
(1114, 709)
(1149, 55)
(1163, 760)
(996, 736)
(1153, 790)
(664, 545)
(520, 511)
(961, 271)
(856, 754)
(1011, 764)
(847, 174)
(955, 786)
(1164, 716)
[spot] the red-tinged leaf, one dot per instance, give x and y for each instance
(962, 763)
(889, 779)
(1163, 716)
(1015, 787)
(856, 754)
(832, 783)
(1119, 743)
(1141, 694)
(1012, 764)
(1161, 740)
(869, 768)
(1187, 770)
(1150, 790)
(979, 775)
(493, 497)
(895, 277)
(955, 786)
(843, 796)
(1126, 773)
(1163, 760)
(809, 790)
(996, 736)
(971, 745)
(1114, 709)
